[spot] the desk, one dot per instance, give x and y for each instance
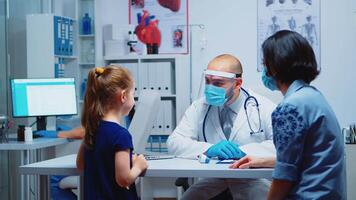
(37, 143)
(65, 165)
(25, 148)
(176, 167)
(351, 170)
(179, 167)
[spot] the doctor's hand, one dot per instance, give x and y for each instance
(225, 150)
(253, 162)
(47, 134)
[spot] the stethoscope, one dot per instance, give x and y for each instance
(249, 99)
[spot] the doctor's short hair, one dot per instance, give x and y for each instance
(288, 56)
(100, 96)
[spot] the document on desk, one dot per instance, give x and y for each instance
(227, 161)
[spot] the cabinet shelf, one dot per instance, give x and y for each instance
(142, 57)
(163, 97)
(86, 64)
(87, 36)
(168, 75)
(66, 57)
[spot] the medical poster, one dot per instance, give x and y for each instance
(302, 16)
(162, 23)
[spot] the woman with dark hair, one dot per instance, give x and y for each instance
(310, 152)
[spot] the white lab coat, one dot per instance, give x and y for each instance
(187, 139)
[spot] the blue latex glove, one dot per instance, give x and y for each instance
(47, 134)
(225, 150)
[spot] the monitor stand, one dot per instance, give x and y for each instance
(41, 123)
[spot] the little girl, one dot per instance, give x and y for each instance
(105, 155)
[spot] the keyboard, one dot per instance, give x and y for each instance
(158, 157)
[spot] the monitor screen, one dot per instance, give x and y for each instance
(43, 97)
(144, 118)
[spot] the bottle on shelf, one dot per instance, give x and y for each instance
(86, 24)
(21, 133)
(132, 42)
(28, 134)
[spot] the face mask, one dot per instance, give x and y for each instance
(216, 96)
(268, 81)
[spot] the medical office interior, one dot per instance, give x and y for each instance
(99, 33)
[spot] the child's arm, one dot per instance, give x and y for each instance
(80, 158)
(125, 176)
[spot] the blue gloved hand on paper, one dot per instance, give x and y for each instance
(225, 150)
(47, 134)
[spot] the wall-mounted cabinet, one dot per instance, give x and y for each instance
(167, 74)
(59, 57)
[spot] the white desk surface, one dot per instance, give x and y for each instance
(58, 166)
(176, 167)
(179, 167)
(37, 143)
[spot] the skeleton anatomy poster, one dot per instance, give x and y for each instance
(163, 23)
(302, 16)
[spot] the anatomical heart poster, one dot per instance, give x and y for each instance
(302, 16)
(161, 24)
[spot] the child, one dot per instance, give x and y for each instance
(105, 155)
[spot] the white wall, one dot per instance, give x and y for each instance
(231, 27)
(338, 60)
(63, 8)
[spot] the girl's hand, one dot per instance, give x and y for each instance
(139, 162)
(134, 156)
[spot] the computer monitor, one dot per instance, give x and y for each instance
(43, 97)
(144, 118)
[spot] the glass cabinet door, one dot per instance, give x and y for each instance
(4, 178)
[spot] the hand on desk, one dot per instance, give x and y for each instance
(253, 162)
(140, 162)
(225, 150)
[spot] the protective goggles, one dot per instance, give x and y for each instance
(221, 74)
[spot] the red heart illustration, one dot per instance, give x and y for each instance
(147, 31)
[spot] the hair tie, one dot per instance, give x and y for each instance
(99, 70)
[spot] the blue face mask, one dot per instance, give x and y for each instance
(268, 81)
(215, 96)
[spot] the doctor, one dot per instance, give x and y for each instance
(220, 125)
